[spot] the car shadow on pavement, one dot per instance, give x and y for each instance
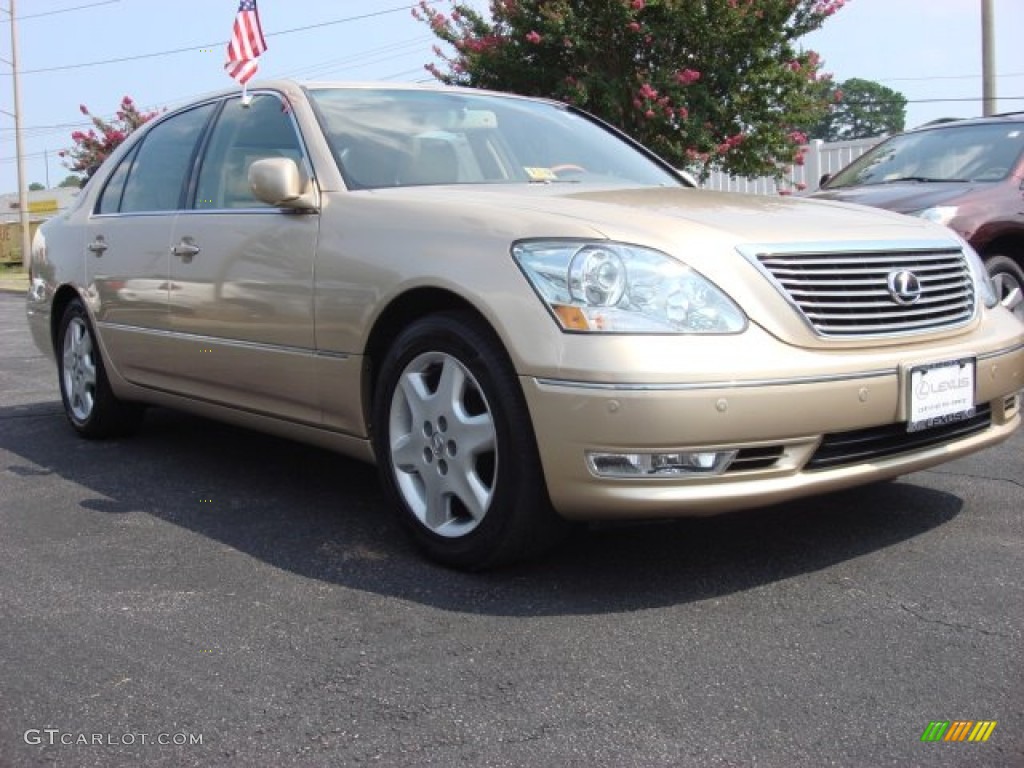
(322, 516)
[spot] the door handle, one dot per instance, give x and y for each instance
(98, 246)
(185, 250)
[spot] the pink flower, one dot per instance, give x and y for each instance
(837, 96)
(638, 5)
(646, 92)
(649, 114)
(801, 186)
(687, 76)
(533, 36)
(798, 137)
(633, 26)
(794, 65)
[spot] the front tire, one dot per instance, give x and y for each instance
(89, 403)
(456, 449)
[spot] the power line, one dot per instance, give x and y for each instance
(61, 10)
(946, 77)
(372, 56)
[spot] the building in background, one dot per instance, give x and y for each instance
(42, 204)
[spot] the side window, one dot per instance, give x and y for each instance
(242, 136)
(163, 161)
(110, 198)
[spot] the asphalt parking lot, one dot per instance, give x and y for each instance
(203, 595)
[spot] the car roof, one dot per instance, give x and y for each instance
(954, 122)
(287, 85)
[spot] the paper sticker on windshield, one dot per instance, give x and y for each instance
(541, 174)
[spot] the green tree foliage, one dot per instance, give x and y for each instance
(35, 186)
(705, 83)
(861, 109)
(92, 147)
(71, 181)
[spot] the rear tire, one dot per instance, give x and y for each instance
(89, 403)
(1008, 279)
(456, 449)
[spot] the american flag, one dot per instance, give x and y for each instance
(246, 43)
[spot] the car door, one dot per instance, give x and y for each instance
(127, 245)
(241, 273)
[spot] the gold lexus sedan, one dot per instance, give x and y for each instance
(522, 316)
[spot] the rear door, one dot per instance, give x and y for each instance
(127, 245)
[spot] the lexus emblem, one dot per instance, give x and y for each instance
(904, 287)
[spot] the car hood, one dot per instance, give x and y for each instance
(903, 197)
(667, 217)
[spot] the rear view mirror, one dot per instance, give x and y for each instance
(278, 181)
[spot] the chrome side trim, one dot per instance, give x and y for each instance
(1001, 352)
(747, 384)
(237, 343)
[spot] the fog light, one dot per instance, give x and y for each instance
(675, 464)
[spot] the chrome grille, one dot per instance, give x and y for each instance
(847, 294)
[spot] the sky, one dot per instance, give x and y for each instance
(929, 50)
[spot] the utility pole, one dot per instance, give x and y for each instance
(26, 241)
(988, 58)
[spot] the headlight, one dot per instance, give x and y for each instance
(943, 214)
(940, 214)
(981, 276)
(615, 288)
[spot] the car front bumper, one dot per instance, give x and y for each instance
(795, 435)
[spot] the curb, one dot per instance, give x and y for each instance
(14, 282)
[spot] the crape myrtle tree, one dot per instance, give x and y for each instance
(704, 83)
(92, 147)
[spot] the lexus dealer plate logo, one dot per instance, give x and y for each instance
(904, 287)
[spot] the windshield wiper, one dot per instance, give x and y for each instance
(922, 179)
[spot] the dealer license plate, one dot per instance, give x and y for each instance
(940, 394)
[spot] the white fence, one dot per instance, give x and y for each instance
(819, 158)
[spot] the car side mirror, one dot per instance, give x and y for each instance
(278, 181)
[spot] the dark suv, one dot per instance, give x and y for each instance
(968, 174)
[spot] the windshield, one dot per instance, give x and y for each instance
(397, 138)
(978, 152)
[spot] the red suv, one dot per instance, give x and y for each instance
(968, 174)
